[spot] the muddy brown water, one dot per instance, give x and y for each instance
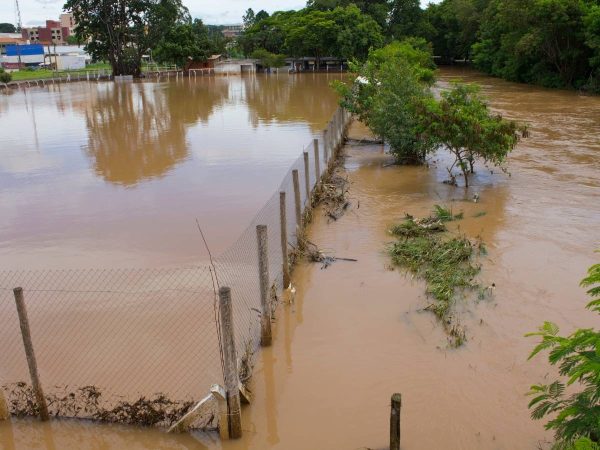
(354, 333)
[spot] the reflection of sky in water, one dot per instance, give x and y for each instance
(103, 174)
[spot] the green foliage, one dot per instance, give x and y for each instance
(343, 32)
(7, 28)
(462, 123)
(5, 77)
(184, 42)
(393, 85)
(268, 59)
(575, 415)
(121, 31)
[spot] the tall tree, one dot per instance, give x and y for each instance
(121, 31)
(183, 43)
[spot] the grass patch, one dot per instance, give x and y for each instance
(444, 262)
(479, 214)
(42, 74)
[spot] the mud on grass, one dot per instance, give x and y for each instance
(444, 262)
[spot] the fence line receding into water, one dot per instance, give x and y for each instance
(167, 347)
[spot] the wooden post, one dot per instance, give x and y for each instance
(306, 178)
(263, 273)
(297, 200)
(230, 363)
(317, 161)
(325, 148)
(284, 241)
(395, 422)
(29, 353)
(4, 412)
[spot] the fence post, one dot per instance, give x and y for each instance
(29, 353)
(317, 161)
(297, 200)
(284, 242)
(263, 272)
(4, 413)
(395, 422)
(307, 178)
(230, 364)
(325, 148)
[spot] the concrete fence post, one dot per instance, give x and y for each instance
(307, 178)
(263, 272)
(395, 422)
(317, 161)
(234, 415)
(297, 203)
(30, 354)
(284, 240)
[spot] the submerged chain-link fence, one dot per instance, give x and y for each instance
(144, 346)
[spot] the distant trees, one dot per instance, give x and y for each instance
(268, 59)
(343, 31)
(7, 28)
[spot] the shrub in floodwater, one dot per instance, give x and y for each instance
(576, 416)
(5, 77)
(445, 263)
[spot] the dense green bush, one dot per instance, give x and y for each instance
(5, 77)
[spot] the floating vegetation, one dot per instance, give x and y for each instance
(88, 402)
(311, 253)
(444, 262)
(479, 214)
(332, 192)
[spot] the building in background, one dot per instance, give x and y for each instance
(68, 21)
(232, 31)
(21, 56)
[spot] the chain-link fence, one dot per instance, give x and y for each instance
(143, 346)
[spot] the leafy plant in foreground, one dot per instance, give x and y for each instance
(576, 416)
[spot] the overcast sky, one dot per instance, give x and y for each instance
(35, 12)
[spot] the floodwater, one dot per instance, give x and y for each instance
(114, 175)
(354, 333)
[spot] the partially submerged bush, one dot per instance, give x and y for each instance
(5, 77)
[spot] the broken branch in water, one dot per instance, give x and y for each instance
(313, 254)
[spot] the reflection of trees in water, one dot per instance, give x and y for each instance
(138, 131)
(287, 98)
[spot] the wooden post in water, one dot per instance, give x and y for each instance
(29, 353)
(307, 178)
(395, 422)
(317, 161)
(325, 148)
(284, 241)
(263, 273)
(297, 200)
(230, 364)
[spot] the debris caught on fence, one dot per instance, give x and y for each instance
(88, 402)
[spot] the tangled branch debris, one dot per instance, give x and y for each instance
(444, 262)
(88, 402)
(306, 249)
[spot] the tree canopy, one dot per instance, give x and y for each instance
(7, 28)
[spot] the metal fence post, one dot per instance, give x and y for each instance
(307, 177)
(395, 422)
(317, 161)
(29, 353)
(230, 364)
(263, 272)
(284, 241)
(297, 200)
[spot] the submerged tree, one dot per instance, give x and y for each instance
(576, 415)
(462, 122)
(121, 31)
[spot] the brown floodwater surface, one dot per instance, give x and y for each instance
(355, 333)
(114, 175)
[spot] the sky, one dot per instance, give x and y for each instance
(35, 12)
(221, 12)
